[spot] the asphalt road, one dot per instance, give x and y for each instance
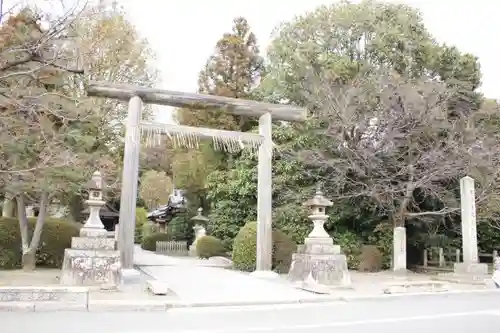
(438, 313)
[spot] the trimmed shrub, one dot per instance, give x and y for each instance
(149, 243)
(283, 248)
(245, 249)
(209, 246)
(149, 228)
(141, 218)
(370, 259)
(56, 237)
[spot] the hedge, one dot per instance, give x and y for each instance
(209, 246)
(245, 249)
(149, 242)
(56, 237)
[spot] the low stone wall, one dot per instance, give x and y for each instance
(43, 298)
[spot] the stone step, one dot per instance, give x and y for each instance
(88, 243)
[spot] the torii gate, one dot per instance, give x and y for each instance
(185, 135)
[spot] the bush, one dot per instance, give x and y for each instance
(245, 249)
(149, 228)
(56, 237)
(283, 248)
(141, 218)
(370, 259)
(149, 243)
(350, 245)
(209, 246)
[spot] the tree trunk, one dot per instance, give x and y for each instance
(29, 260)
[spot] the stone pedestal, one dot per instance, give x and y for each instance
(93, 259)
(319, 261)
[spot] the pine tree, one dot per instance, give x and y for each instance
(233, 70)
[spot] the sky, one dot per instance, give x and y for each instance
(183, 33)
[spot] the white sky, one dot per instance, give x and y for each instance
(183, 32)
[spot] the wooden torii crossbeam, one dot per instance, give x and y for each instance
(188, 136)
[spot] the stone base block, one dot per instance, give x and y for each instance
(130, 276)
(91, 268)
(87, 243)
(327, 269)
(192, 251)
(319, 246)
(470, 268)
(93, 233)
(157, 287)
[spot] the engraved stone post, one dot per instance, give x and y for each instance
(199, 230)
(468, 209)
(399, 249)
(30, 211)
(130, 176)
(471, 263)
(264, 196)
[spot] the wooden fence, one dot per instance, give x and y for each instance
(438, 257)
(177, 248)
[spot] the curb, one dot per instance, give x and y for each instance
(162, 306)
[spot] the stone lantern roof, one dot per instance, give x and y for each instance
(318, 200)
(199, 217)
(95, 183)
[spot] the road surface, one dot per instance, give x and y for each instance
(457, 313)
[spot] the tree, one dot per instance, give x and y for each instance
(233, 71)
(53, 137)
(348, 38)
(345, 41)
(391, 139)
(155, 188)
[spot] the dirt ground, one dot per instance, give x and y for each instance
(39, 277)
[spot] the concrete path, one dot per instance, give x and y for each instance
(433, 314)
(193, 281)
(209, 284)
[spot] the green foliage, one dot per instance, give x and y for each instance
(149, 242)
(148, 228)
(283, 249)
(370, 259)
(245, 249)
(350, 244)
(382, 238)
(180, 228)
(209, 246)
(56, 237)
(141, 218)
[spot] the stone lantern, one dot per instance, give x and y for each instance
(200, 222)
(93, 259)
(318, 205)
(95, 187)
(319, 263)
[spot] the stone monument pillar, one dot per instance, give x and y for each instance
(93, 259)
(399, 249)
(319, 261)
(471, 264)
(200, 222)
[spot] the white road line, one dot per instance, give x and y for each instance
(338, 324)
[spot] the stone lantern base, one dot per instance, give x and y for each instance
(320, 262)
(92, 259)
